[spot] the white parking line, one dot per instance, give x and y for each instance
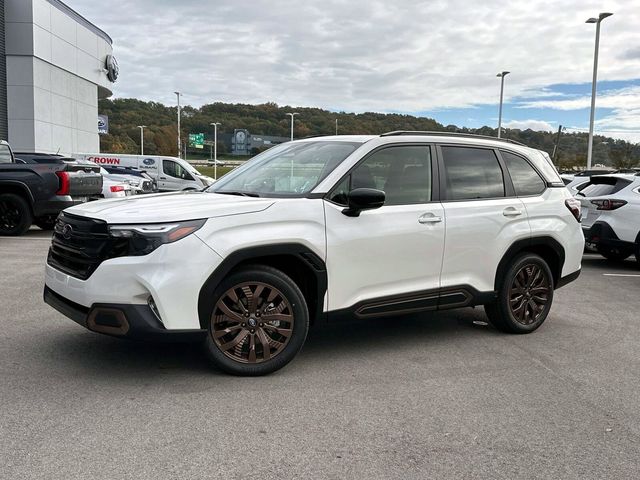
(26, 238)
(621, 275)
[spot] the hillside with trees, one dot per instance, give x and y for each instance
(270, 119)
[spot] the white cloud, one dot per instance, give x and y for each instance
(360, 55)
(537, 125)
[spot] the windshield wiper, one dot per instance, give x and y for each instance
(241, 194)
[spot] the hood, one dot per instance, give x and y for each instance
(169, 207)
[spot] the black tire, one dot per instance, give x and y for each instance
(245, 353)
(615, 254)
(15, 215)
(525, 295)
(45, 223)
(638, 252)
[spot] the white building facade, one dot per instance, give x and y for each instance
(58, 65)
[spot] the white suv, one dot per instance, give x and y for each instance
(611, 215)
(321, 229)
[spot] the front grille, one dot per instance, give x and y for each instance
(79, 245)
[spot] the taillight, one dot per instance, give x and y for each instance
(63, 182)
(574, 207)
(608, 204)
(117, 188)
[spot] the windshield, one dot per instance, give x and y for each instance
(289, 169)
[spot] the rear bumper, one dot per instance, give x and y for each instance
(568, 279)
(54, 205)
(120, 320)
(601, 233)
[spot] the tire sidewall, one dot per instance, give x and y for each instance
(290, 290)
(25, 214)
(505, 308)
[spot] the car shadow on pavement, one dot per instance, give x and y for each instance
(106, 357)
(629, 265)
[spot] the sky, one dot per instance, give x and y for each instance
(436, 58)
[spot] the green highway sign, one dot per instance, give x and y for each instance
(196, 140)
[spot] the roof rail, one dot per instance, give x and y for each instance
(449, 134)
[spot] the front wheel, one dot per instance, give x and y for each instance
(525, 295)
(258, 323)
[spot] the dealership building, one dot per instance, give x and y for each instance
(54, 66)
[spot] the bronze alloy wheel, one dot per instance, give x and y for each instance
(252, 322)
(529, 294)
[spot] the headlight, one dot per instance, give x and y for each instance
(145, 238)
(208, 181)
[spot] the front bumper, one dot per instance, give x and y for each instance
(120, 320)
(601, 233)
(172, 275)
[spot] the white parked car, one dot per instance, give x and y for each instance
(320, 229)
(114, 188)
(611, 215)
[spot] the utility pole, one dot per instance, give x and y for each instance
(215, 149)
(501, 75)
(142, 127)
(179, 140)
(597, 21)
(292, 115)
(554, 155)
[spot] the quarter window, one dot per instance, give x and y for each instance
(472, 173)
(403, 173)
(526, 180)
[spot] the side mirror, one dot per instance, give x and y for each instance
(361, 199)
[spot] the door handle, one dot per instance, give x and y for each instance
(511, 212)
(163, 178)
(429, 218)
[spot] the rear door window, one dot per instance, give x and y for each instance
(472, 173)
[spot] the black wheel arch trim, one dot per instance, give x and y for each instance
(529, 244)
(314, 265)
(22, 186)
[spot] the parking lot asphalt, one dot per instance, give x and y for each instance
(430, 396)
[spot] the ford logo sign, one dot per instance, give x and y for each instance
(148, 161)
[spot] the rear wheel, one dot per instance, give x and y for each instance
(615, 254)
(524, 296)
(258, 323)
(15, 214)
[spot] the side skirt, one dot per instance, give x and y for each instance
(404, 304)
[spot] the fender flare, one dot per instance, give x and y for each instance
(22, 186)
(314, 266)
(529, 244)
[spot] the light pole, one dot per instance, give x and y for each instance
(501, 75)
(142, 127)
(179, 140)
(215, 149)
(292, 115)
(597, 21)
(336, 126)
